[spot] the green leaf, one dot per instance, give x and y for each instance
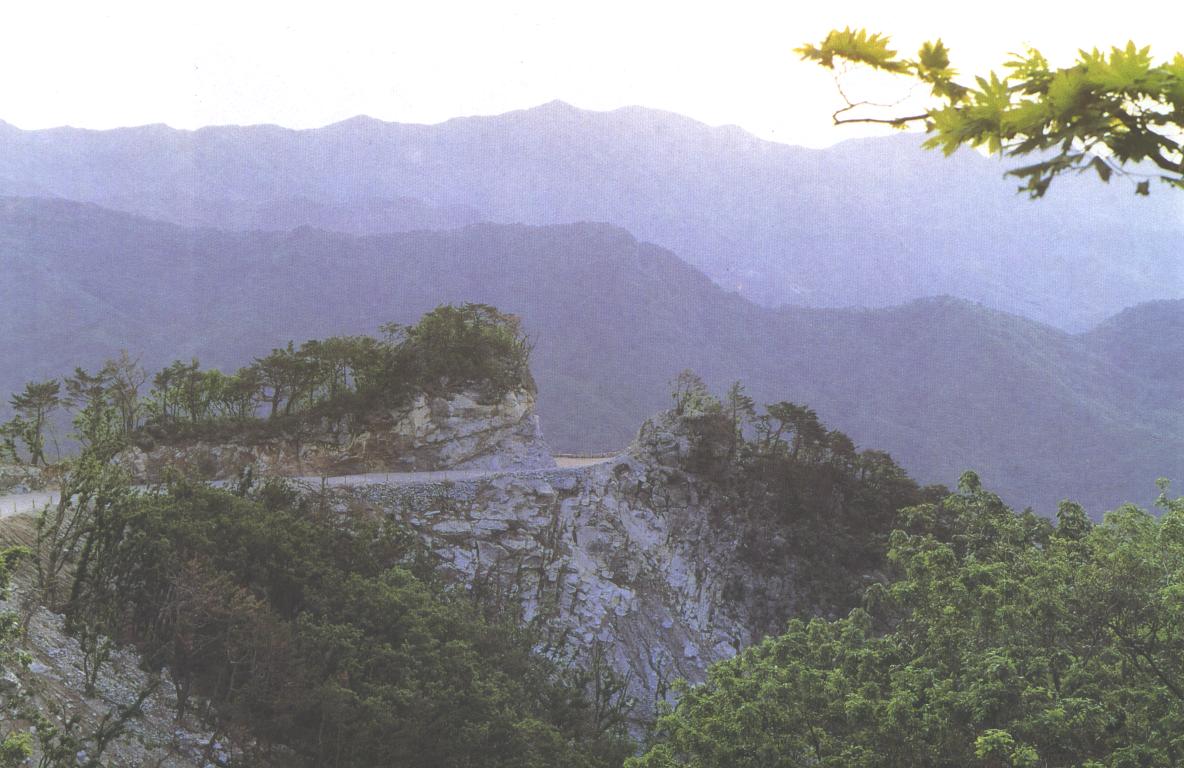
(1102, 168)
(934, 56)
(854, 45)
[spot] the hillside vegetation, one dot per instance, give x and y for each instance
(323, 636)
(449, 350)
(314, 634)
(329, 639)
(1002, 640)
(288, 393)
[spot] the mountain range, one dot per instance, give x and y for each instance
(944, 384)
(867, 223)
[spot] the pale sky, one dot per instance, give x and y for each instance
(110, 63)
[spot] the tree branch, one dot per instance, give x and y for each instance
(885, 121)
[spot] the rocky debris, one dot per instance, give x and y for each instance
(431, 434)
(20, 478)
(55, 680)
(622, 555)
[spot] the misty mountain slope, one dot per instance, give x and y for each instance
(865, 223)
(1032, 406)
(402, 214)
(1147, 341)
(943, 384)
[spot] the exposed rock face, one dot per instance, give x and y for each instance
(431, 434)
(20, 478)
(636, 558)
(631, 555)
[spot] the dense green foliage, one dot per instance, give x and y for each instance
(1110, 113)
(1003, 641)
(325, 636)
(33, 407)
(801, 494)
(15, 743)
(451, 349)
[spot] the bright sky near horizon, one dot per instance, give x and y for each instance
(304, 64)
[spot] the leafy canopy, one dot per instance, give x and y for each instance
(1003, 641)
(452, 349)
(1111, 113)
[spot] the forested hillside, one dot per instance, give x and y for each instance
(1000, 640)
(944, 385)
(865, 223)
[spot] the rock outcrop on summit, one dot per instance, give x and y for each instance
(460, 432)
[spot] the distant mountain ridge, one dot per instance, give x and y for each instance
(871, 222)
(943, 384)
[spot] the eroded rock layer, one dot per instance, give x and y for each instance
(460, 432)
(628, 559)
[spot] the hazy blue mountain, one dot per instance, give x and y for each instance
(1146, 341)
(402, 214)
(865, 223)
(943, 384)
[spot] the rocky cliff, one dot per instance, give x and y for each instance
(460, 432)
(20, 478)
(634, 559)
